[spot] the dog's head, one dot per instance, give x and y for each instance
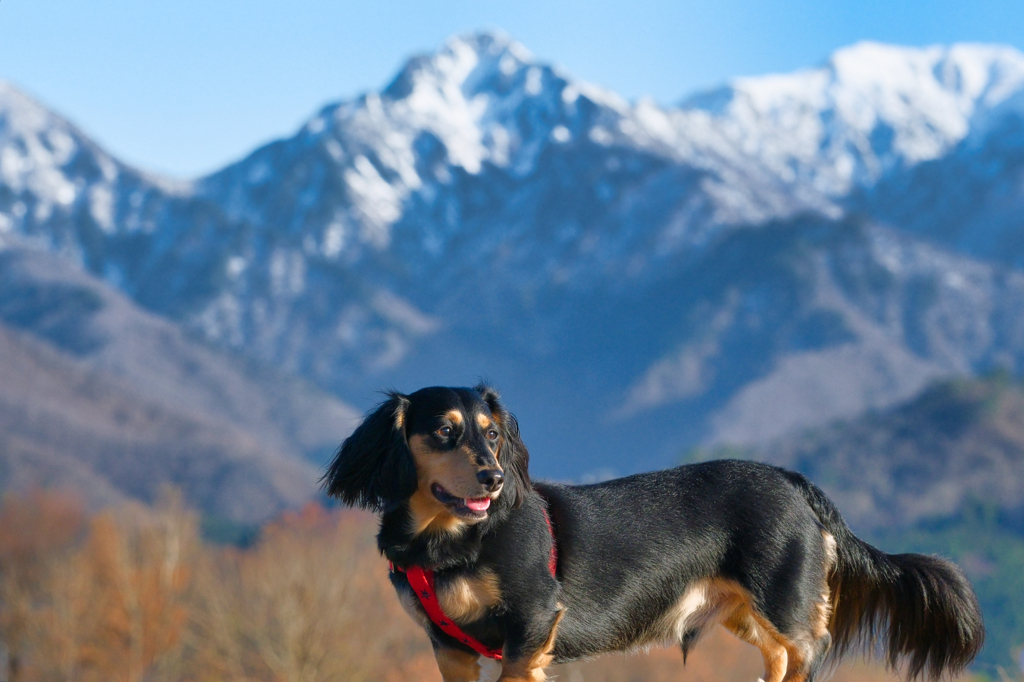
(451, 454)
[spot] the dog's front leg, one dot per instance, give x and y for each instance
(524, 660)
(457, 665)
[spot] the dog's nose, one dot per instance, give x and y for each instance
(492, 479)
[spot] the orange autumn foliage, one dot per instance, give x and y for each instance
(310, 602)
(141, 565)
(35, 529)
(134, 594)
(108, 607)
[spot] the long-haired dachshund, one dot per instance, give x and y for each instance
(652, 558)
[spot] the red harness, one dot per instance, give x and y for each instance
(422, 582)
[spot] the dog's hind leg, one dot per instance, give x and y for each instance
(785, 659)
(746, 625)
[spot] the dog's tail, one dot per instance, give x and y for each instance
(918, 610)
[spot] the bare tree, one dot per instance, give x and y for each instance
(309, 604)
(35, 530)
(140, 562)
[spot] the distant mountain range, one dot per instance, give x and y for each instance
(764, 257)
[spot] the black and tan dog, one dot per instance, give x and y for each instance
(648, 559)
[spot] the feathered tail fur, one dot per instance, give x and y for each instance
(920, 611)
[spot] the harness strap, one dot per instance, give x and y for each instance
(422, 582)
(553, 559)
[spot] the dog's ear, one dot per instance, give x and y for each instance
(513, 455)
(373, 468)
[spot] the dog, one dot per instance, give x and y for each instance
(494, 565)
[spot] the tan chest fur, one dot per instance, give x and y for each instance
(468, 598)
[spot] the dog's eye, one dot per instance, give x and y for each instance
(444, 431)
(492, 434)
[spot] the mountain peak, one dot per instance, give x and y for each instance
(464, 62)
(38, 144)
(47, 157)
(480, 98)
(21, 114)
(492, 43)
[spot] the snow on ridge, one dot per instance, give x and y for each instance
(783, 142)
(798, 140)
(34, 146)
(37, 143)
(481, 99)
(945, 86)
(18, 110)
(870, 108)
(468, 94)
(965, 75)
(464, 96)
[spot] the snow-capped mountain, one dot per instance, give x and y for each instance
(763, 256)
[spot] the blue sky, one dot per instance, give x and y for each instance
(184, 87)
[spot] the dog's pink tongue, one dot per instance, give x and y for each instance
(479, 505)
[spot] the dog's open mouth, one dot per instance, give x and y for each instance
(473, 507)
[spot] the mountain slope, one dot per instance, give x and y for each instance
(970, 199)
(66, 426)
(957, 443)
(105, 330)
(104, 398)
